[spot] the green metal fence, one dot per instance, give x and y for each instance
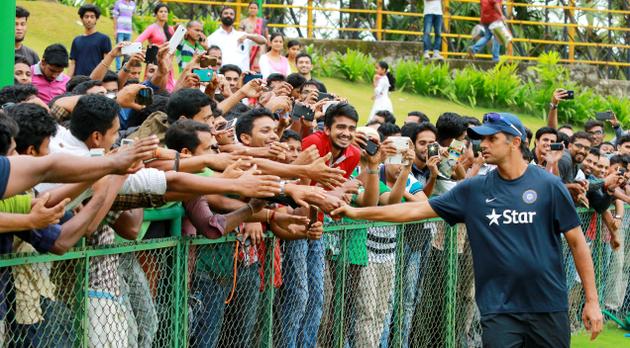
(416, 290)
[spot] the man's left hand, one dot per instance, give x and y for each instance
(593, 318)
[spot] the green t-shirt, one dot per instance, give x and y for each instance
(20, 204)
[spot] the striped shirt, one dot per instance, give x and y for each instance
(123, 13)
(185, 52)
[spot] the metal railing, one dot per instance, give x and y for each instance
(178, 292)
(565, 29)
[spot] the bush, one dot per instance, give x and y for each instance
(468, 85)
(354, 65)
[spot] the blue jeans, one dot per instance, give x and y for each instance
(56, 330)
(432, 21)
(315, 304)
(120, 37)
(294, 293)
(481, 43)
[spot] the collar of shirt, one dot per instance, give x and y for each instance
(37, 70)
(65, 142)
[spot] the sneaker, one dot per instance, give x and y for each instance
(437, 56)
(471, 53)
(426, 55)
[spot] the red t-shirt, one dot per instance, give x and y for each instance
(347, 161)
(488, 13)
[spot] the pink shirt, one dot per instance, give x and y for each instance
(155, 35)
(47, 90)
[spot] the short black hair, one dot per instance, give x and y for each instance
(57, 55)
(412, 130)
(21, 12)
(590, 124)
(450, 126)
(89, 8)
(293, 42)
(183, 135)
(386, 115)
(595, 152)
(93, 113)
(580, 135)
(296, 80)
(110, 76)
(186, 102)
(608, 143)
(290, 134)
(564, 138)
(236, 112)
(224, 8)
(311, 83)
(214, 47)
(35, 124)
(302, 55)
(75, 81)
(338, 110)
(546, 130)
(567, 126)
(623, 139)
(620, 159)
(230, 67)
(83, 87)
(388, 129)
(19, 59)
(422, 117)
(136, 117)
(245, 123)
(472, 121)
(275, 77)
(8, 130)
(16, 93)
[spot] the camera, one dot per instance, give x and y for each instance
(556, 147)
(370, 147)
(604, 116)
(249, 77)
(570, 95)
(476, 147)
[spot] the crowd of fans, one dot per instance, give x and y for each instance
(259, 146)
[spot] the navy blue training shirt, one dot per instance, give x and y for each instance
(5, 171)
(88, 51)
(514, 228)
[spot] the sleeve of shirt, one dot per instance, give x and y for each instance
(308, 141)
(115, 10)
(43, 239)
(5, 171)
(211, 225)
(20, 204)
(452, 206)
(565, 216)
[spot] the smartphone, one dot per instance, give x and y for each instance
(205, 75)
(145, 96)
(205, 62)
(371, 147)
(433, 150)
(603, 116)
(176, 39)
(126, 142)
(133, 48)
(621, 171)
(322, 96)
(300, 110)
(401, 144)
(476, 147)
(228, 125)
(150, 57)
(249, 77)
(556, 147)
(570, 95)
(313, 214)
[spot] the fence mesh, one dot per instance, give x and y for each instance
(361, 285)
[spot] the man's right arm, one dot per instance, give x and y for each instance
(402, 212)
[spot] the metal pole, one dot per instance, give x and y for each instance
(309, 20)
(7, 45)
(379, 20)
(447, 28)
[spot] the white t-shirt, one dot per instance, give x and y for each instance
(433, 7)
(232, 51)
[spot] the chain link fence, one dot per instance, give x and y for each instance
(361, 285)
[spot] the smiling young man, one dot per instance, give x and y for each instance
(515, 217)
(88, 49)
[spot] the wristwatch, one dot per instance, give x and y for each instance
(370, 171)
(553, 106)
(283, 184)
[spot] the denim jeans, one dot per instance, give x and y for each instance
(314, 305)
(481, 43)
(138, 295)
(120, 37)
(432, 21)
(294, 293)
(55, 330)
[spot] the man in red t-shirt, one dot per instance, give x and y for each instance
(491, 11)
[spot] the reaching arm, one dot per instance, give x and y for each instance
(128, 224)
(402, 212)
(592, 315)
(71, 67)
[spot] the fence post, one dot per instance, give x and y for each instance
(447, 28)
(379, 20)
(450, 245)
(571, 32)
(237, 20)
(398, 312)
(309, 19)
(509, 50)
(7, 45)
(339, 290)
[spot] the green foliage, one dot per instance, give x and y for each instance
(354, 65)
(140, 23)
(425, 79)
(500, 85)
(210, 24)
(468, 85)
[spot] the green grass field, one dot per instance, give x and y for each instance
(51, 23)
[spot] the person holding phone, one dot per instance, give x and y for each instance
(274, 62)
(194, 41)
(157, 34)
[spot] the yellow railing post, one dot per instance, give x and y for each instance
(447, 28)
(509, 50)
(379, 19)
(571, 33)
(237, 20)
(309, 20)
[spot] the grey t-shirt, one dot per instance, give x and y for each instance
(28, 54)
(567, 169)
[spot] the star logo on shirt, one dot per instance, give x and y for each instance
(494, 218)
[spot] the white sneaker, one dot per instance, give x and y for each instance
(426, 55)
(437, 56)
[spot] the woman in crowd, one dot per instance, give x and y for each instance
(253, 24)
(384, 83)
(293, 49)
(159, 33)
(273, 61)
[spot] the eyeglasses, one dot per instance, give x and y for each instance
(596, 132)
(582, 147)
(493, 117)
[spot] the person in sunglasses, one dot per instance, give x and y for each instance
(515, 217)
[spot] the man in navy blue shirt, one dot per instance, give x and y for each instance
(88, 49)
(515, 217)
